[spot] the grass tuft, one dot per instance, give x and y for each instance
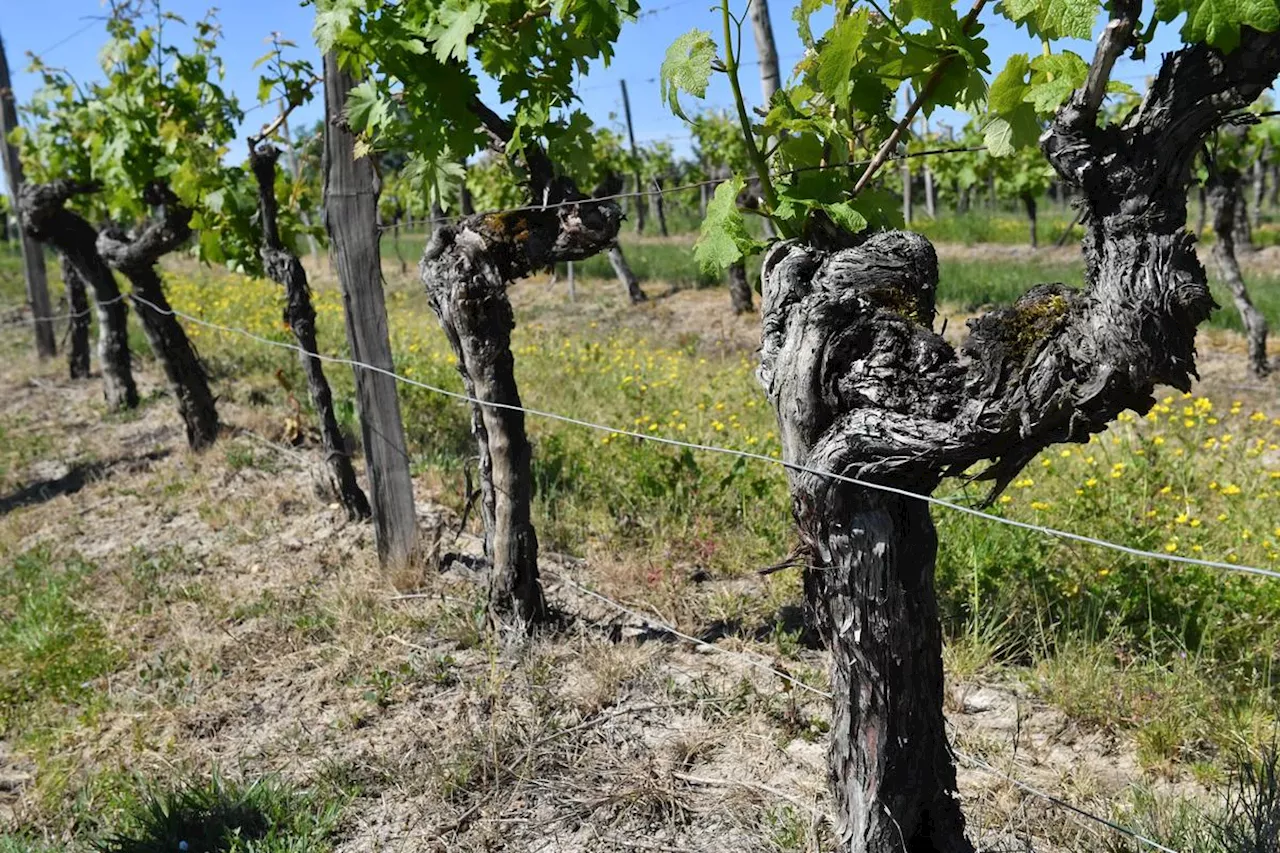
(218, 816)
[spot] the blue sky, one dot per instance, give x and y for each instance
(65, 33)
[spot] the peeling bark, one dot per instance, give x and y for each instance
(864, 387)
(283, 267)
(78, 321)
(466, 268)
(43, 213)
(1222, 189)
(136, 255)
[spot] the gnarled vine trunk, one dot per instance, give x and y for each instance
(43, 213)
(283, 267)
(865, 388)
(77, 320)
(466, 268)
(1222, 189)
(136, 255)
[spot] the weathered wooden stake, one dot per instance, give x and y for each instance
(641, 201)
(33, 270)
(351, 207)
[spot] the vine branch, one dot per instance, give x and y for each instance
(926, 92)
(758, 160)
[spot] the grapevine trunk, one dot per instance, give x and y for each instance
(136, 255)
(42, 208)
(78, 325)
(284, 268)
(466, 269)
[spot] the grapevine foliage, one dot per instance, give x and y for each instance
(419, 61)
(836, 118)
(159, 117)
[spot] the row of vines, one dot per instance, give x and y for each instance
(137, 165)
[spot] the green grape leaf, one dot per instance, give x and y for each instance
(1010, 87)
(687, 68)
(801, 13)
(846, 216)
(724, 238)
(939, 12)
(998, 137)
(1055, 19)
(1005, 134)
(1218, 22)
(367, 113)
(839, 53)
(333, 17)
(572, 144)
(453, 28)
(1053, 79)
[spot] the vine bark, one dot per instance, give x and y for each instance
(865, 388)
(283, 267)
(466, 268)
(45, 217)
(78, 320)
(1223, 191)
(136, 255)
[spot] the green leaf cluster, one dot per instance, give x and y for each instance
(421, 61)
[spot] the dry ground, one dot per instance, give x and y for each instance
(257, 635)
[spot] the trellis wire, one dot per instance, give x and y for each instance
(74, 315)
(742, 454)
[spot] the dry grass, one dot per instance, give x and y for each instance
(257, 636)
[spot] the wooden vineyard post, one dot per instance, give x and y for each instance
(351, 207)
(32, 256)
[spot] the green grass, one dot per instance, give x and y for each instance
(51, 647)
(219, 816)
(204, 815)
(1004, 227)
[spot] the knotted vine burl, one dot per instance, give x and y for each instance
(863, 386)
